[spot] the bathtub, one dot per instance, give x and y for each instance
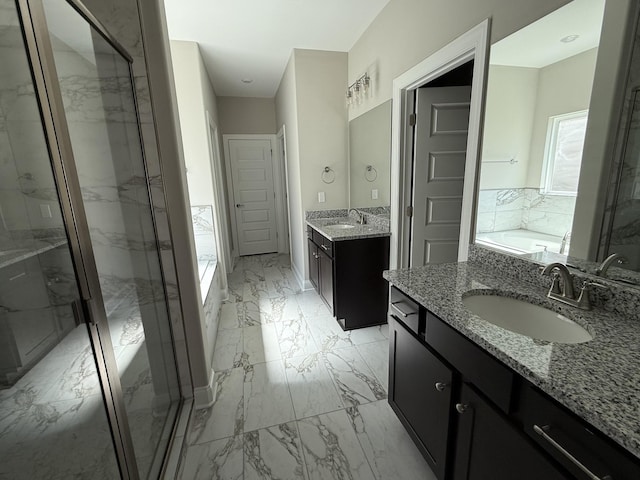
(521, 241)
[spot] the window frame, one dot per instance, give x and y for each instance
(550, 148)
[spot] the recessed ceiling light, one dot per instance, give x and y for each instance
(247, 80)
(569, 38)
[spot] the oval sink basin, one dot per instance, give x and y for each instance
(526, 319)
(341, 226)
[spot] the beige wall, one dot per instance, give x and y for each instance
(196, 97)
(245, 115)
(510, 107)
(322, 126)
(563, 87)
(287, 116)
(310, 104)
(408, 31)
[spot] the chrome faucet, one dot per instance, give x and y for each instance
(560, 290)
(361, 218)
(601, 271)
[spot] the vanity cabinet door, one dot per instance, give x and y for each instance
(489, 447)
(326, 278)
(420, 394)
(313, 265)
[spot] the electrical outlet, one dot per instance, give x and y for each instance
(374, 194)
(321, 197)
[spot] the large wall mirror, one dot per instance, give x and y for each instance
(537, 109)
(370, 160)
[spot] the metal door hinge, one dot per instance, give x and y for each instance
(412, 120)
(409, 211)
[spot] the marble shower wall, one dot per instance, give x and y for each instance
(202, 219)
(524, 208)
(121, 18)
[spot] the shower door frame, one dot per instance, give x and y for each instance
(48, 92)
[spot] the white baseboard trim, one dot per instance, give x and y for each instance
(204, 397)
(298, 275)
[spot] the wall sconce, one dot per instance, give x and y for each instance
(358, 90)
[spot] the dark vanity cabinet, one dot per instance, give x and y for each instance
(420, 393)
(473, 418)
(347, 274)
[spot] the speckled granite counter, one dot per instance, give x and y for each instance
(598, 380)
(335, 234)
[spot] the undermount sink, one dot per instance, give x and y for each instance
(341, 226)
(526, 319)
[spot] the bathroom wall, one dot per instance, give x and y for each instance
(196, 98)
(524, 208)
(408, 31)
(247, 115)
(310, 104)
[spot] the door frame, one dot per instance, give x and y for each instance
(221, 234)
(472, 45)
(277, 185)
(284, 244)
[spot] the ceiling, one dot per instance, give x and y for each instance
(253, 39)
(538, 45)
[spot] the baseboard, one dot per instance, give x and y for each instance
(298, 276)
(204, 397)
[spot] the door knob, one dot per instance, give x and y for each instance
(440, 386)
(239, 205)
(461, 407)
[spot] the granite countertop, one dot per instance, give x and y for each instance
(29, 248)
(598, 380)
(324, 226)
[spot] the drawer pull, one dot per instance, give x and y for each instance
(403, 311)
(542, 431)
(440, 386)
(461, 407)
(324, 247)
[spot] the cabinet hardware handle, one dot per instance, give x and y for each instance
(461, 407)
(542, 431)
(440, 386)
(403, 312)
(323, 246)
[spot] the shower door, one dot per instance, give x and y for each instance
(53, 419)
(89, 91)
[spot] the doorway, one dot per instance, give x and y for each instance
(88, 380)
(255, 203)
(472, 46)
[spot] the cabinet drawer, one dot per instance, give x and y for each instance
(557, 428)
(478, 367)
(406, 311)
(325, 244)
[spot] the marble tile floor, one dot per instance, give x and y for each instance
(53, 423)
(297, 397)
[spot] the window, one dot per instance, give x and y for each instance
(563, 153)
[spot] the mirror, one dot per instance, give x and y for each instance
(539, 88)
(370, 160)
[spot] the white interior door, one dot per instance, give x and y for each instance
(442, 124)
(253, 191)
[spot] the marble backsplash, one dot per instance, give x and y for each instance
(524, 208)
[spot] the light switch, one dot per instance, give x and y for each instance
(374, 194)
(45, 210)
(321, 197)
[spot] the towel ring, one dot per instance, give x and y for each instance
(370, 173)
(328, 175)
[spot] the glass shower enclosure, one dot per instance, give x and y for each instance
(88, 382)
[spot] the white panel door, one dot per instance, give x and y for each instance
(252, 176)
(442, 124)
